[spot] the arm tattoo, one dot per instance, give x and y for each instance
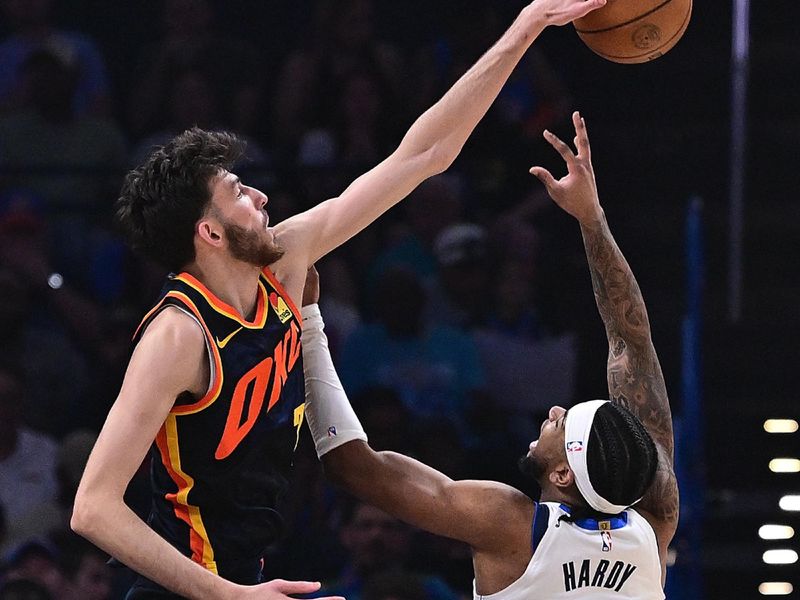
(635, 379)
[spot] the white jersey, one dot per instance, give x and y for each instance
(616, 558)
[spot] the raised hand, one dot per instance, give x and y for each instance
(576, 192)
(561, 12)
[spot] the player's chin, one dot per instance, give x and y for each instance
(531, 465)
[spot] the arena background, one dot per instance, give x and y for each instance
(662, 146)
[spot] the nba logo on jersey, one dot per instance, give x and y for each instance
(280, 307)
(575, 446)
(606, 537)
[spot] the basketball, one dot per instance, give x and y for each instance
(634, 31)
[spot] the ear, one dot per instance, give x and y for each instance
(210, 231)
(562, 476)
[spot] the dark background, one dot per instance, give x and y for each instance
(660, 135)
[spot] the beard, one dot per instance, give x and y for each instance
(532, 467)
(249, 246)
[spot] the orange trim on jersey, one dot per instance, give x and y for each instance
(167, 443)
(215, 385)
(226, 309)
(147, 316)
(273, 281)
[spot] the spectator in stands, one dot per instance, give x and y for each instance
(192, 101)
(34, 561)
(434, 368)
(47, 322)
(51, 515)
(343, 43)
(377, 544)
(190, 43)
(462, 295)
(27, 457)
(433, 206)
(357, 129)
(85, 568)
(71, 160)
(514, 313)
(32, 30)
(390, 424)
(340, 300)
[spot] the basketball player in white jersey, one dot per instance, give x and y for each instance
(609, 503)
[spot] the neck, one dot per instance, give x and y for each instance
(234, 282)
(552, 493)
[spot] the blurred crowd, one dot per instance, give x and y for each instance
(452, 319)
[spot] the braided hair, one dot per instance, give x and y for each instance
(622, 458)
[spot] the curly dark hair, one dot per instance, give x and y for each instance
(162, 199)
(622, 458)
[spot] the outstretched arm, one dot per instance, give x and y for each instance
(432, 143)
(634, 373)
(397, 484)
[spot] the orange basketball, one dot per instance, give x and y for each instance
(634, 31)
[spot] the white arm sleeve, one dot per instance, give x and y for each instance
(330, 417)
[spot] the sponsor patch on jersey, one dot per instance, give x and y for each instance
(279, 306)
(575, 446)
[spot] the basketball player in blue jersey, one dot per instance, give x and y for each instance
(214, 387)
(609, 502)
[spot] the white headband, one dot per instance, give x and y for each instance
(576, 443)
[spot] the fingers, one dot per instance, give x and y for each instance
(564, 150)
(544, 176)
(584, 8)
(581, 135)
(295, 587)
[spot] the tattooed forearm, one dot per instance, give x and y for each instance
(635, 379)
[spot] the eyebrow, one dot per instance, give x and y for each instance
(235, 181)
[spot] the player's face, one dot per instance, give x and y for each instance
(240, 204)
(547, 451)
(242, 212)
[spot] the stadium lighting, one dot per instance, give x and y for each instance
(781, 426)
(790, 503)
(775, 532)
(782, 556)
(784, 465)
(775, 588)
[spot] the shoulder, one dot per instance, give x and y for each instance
(485, 500)
(174, 336)
(170, 357)
(660, 505)
(174, 325)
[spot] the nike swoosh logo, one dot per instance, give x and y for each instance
(224, 342)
